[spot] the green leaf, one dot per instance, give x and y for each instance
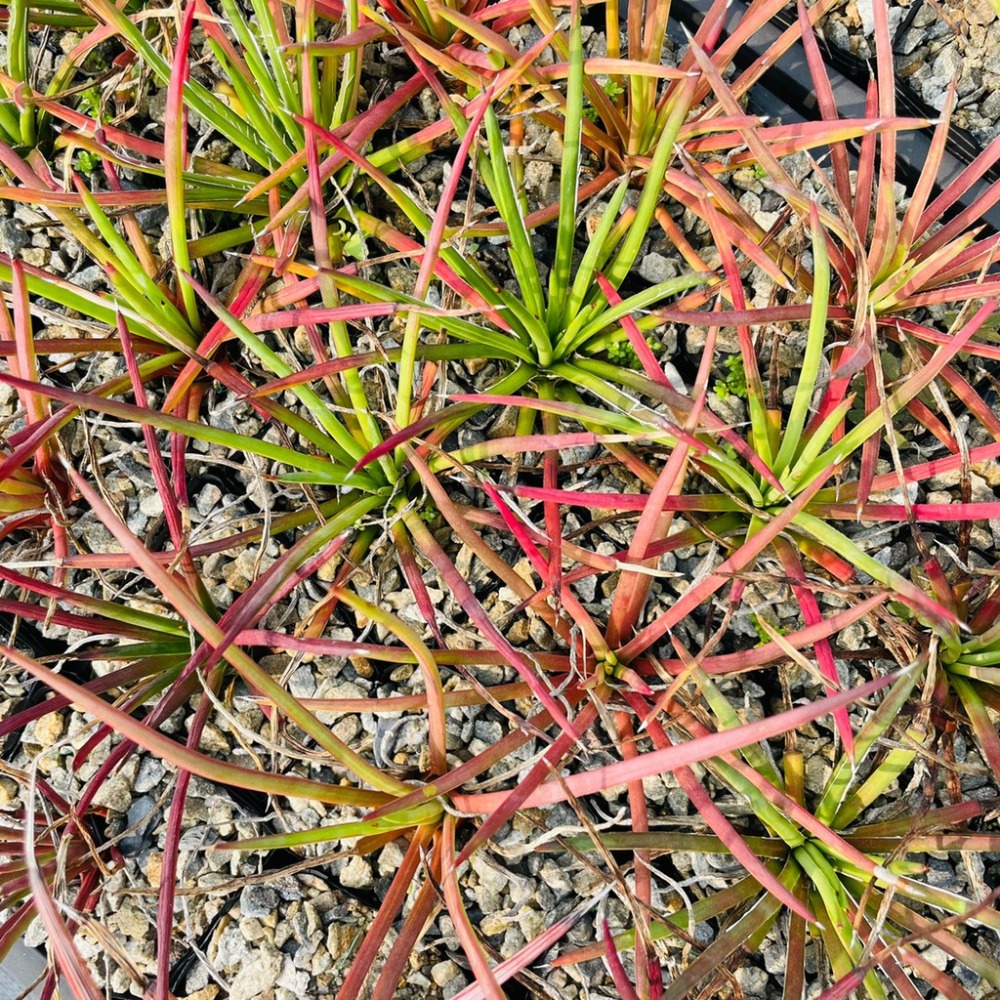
(809, 372)
(522, 255)
(569, 178)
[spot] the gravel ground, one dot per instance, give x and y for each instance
(283, 936)
(934, 42)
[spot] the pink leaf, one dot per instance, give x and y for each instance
(670, 759)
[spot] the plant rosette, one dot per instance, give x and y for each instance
(867, 902)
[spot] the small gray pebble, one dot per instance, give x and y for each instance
(258, 901)
(150, 773)
(141, 816)
(13, 236)
(656, 268)
(89, 277)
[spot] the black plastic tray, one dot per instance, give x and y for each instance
(785, 91)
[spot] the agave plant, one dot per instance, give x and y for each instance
(47, 850)
(629, 110)
(770, 487)
(265, 75)
(29, 495)
(967, 672)
(888, 264)
(867, 902)
(23, 124)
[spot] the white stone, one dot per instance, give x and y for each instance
(655, 268)
(444, 972)
(866, 11)
(259, 974)
(356, 874)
